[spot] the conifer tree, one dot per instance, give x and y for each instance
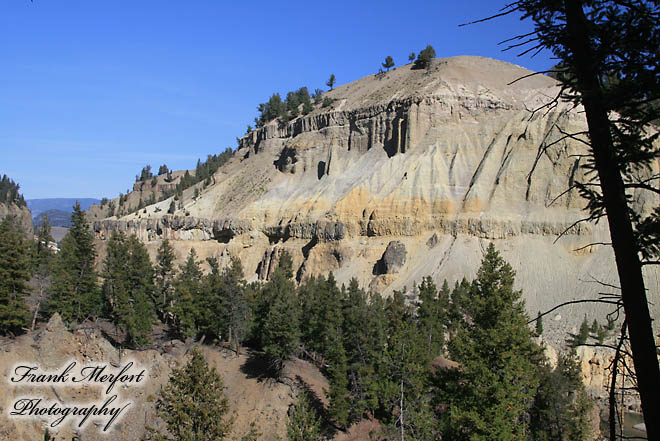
(339, 408)
(561, 404)
(583, 334)
(235, 304)
(128, 288)
(74, 292)
(397, 311)
(303, 423)
(456, 308)
(43, 257)
(14, 275)
(389, 63)
(193, 404)
(411, 57)
(332, 347)
(364, 339)
(141, 277)
(424, 58)
(44, 237)
(187, 294)
(211, 306)
(279, 328)
(404, 385)
(164, 278)
(224, 309)
(489, 396)
(330, 314)
(310, 293)
(539, 324)
(331, 81)
(432, 314)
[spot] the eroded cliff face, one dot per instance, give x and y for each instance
(442, 161)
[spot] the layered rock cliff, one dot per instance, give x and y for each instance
(440, 161)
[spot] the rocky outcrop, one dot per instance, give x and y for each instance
(433, 240)
(393, 259)
(269, 263)
(21, 214)
(286, 162)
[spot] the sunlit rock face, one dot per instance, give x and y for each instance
(442, 161)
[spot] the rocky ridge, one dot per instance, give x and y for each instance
(22, 214)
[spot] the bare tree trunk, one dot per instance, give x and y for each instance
(403, 351)
(401, 410)
(628, 263)
(612, 394)
(34, 317)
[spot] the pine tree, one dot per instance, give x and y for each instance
(303, 423)
(44, 238)
(432, 314)
(187, 293)
(331, 81)
(561, 405)
(292, 103)
(539, 324)
(389, 63)
(491, 393)
(280, 308)
(193, 405)
(583, 334)
(364, 340)
(44, 257)
(235, 304)
(164, 278)
(141, 278)
(128, 288)
(14, 275)
(74, 292)
(404, 385)
(339, 408)
(424, 58)
(457, 306)
(304, 98)
(211, 306)
(397, 311)
(332, 347)
(411, 57)
(225, 310)
(310, 293)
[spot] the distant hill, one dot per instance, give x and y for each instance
(57, 218)
(38, 206)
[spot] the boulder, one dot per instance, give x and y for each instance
(392, 260)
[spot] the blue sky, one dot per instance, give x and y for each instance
(91, 91)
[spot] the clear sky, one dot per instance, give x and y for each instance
(91, 91)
